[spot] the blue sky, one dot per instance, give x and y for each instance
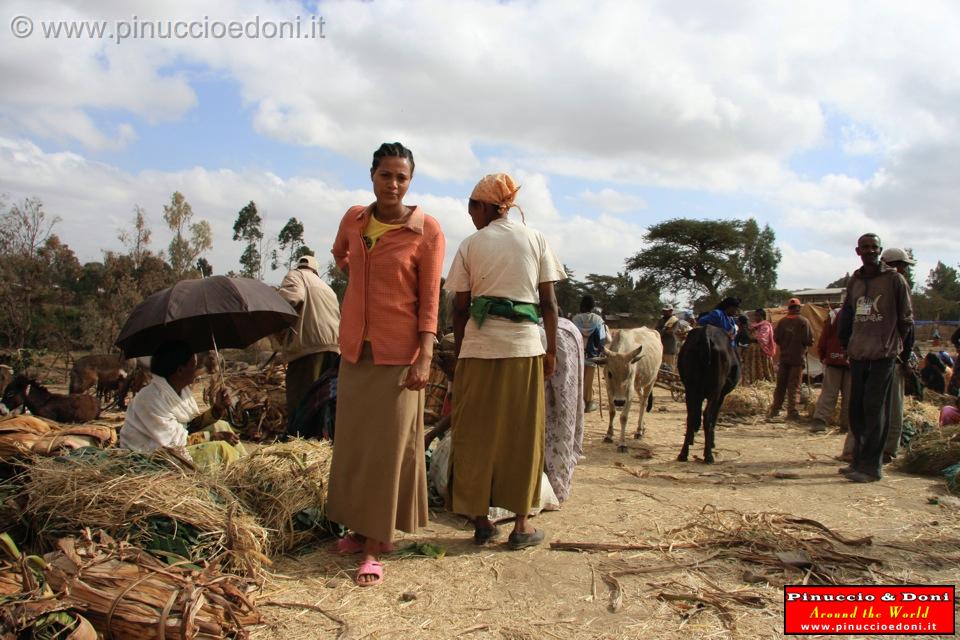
(819, 120)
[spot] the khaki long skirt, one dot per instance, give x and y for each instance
(378, 477)
(498, 434)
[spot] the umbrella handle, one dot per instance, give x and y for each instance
(223, 384)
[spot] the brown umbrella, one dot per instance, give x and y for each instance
(206, 314)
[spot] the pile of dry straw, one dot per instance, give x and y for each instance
(285, 486)
(749, 400)
(127, 495)
(932, 451)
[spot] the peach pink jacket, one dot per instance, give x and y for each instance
(393, 291)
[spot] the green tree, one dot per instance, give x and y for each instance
(759, 256)
(568, 293)
(289, 242)
(28, 256)
(692, 256)
(622, 294)
(137, 242)
(941, 299)
(184, 250)
(944, 282)
(709, 259)
(337, 280)
(204, 267)
(247, 229)
(840, 282)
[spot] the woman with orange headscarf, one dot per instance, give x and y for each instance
(502, 277)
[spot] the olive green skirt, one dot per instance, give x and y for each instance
(498, 435)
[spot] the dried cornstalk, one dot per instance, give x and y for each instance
(128, 594)
(259, 410)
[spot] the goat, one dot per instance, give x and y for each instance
(76, 407)
(137, 380)
(106, 372)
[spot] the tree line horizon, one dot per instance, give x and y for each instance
(50, 301)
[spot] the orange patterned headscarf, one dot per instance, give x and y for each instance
(499, 189)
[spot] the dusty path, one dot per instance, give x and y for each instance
(541, 593)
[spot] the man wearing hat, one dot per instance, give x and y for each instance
(667, 328)
(901, 261)
(793, 335)
(311, 345)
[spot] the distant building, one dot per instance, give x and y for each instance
(832, 296)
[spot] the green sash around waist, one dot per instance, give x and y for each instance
(483, 306)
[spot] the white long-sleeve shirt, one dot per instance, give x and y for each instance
(158, 417)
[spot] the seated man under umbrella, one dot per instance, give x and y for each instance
(165, 414)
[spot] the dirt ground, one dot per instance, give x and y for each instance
(491, 592)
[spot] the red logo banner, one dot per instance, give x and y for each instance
(869, 610)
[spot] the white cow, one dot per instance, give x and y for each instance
(631, 361)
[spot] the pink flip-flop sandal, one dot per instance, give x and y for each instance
(370, 568)
(350, 545)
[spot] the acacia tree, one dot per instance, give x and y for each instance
(692, 256)
(184, 251)
(247, 229)
(711, 258)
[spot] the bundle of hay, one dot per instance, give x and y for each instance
(918, 417)
(285, 485)
(127, 593)
(937, 399)
(259, 411)
(749, 400)
(932, 451)
(150, 500)
(920, 413)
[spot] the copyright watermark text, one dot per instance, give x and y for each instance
(136, 28)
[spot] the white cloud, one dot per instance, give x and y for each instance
(95, 200)
(715, 99)
(611, 200)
